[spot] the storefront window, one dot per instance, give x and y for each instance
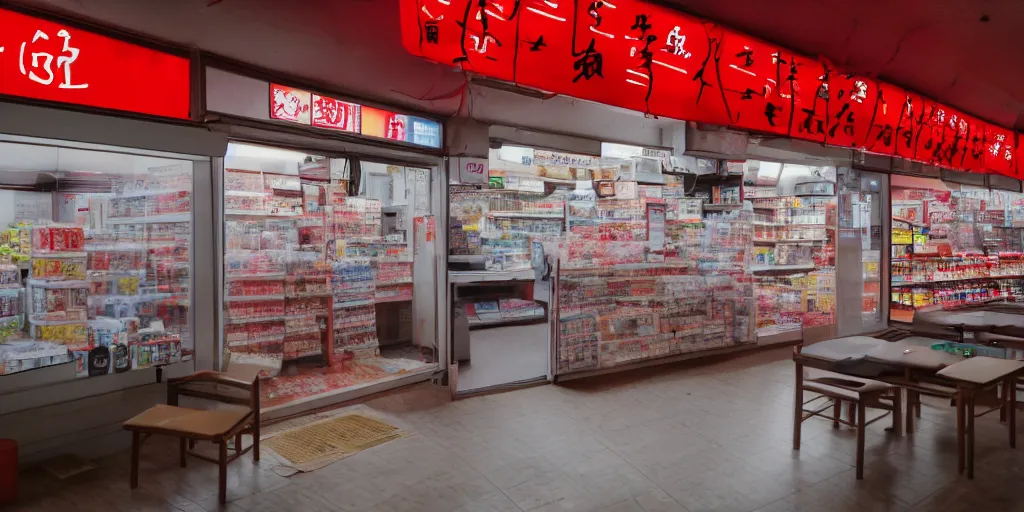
(621, 258)
(953, 245)
(319, 273)
(95, 261)
(794, 241)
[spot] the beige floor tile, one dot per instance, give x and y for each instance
(708, 438)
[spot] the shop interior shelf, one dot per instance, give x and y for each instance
(782, 268)
(525, 215)
(463, 277)
(475, 324)
(805, 241)
(896, 284)
(152, 219)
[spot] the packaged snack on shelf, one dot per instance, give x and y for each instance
(352, 282)
(306, 306)
(168, 203)
(280, 204)
(107, 332)
(241, 264)
(247, 204)
(18, 355)
(256, 309)
(56, 239)
(57, 268)
(243, 181)
(256, 288)
(15, 243)
(74, 333)
(283, 182)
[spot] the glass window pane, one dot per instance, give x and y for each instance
(319, 276)
(94, 260)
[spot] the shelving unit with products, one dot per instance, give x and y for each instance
(794, 247)
(954, 246)
(110, 289)
(323, 250)
(494, 227)
(277, 299)
(618, 303)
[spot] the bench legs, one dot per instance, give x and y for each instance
(222, 472)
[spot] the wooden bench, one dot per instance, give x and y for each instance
(860, 394)
(238, 387)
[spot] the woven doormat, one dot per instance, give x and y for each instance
(318, 444)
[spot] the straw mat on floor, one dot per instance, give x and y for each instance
(318, 444)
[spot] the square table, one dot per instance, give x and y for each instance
(997, 322)
(977, 374)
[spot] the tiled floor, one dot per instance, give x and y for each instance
(715, 437)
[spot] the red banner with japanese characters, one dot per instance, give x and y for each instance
(50, 61)
(655, 60)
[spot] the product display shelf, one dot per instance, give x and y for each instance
(308, 309)
(494, 227)
(954, 248)
(609, 317)
(255, 300)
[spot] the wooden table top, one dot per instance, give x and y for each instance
(981, 370)
(977, 320)
(915, 352)
(842, 349)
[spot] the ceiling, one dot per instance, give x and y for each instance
(936, 47)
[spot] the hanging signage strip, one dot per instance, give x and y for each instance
(302, 107)
(50, 61)
(655, 60)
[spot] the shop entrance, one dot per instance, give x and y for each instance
(499, 276)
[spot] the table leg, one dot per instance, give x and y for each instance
(1011, 406)
(960, 426)
(911, 398)
(897, 411)
(798, 405)
(861, 416)
(909, 403)
(1002, 408)
(134, 476)
(970, 435)
(836, 408)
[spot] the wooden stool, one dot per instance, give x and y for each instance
(860, 394)
(217, 426)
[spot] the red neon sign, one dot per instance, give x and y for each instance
(652, 59)
(50, 61)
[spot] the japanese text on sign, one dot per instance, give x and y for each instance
(50, 61)
(652, 59)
